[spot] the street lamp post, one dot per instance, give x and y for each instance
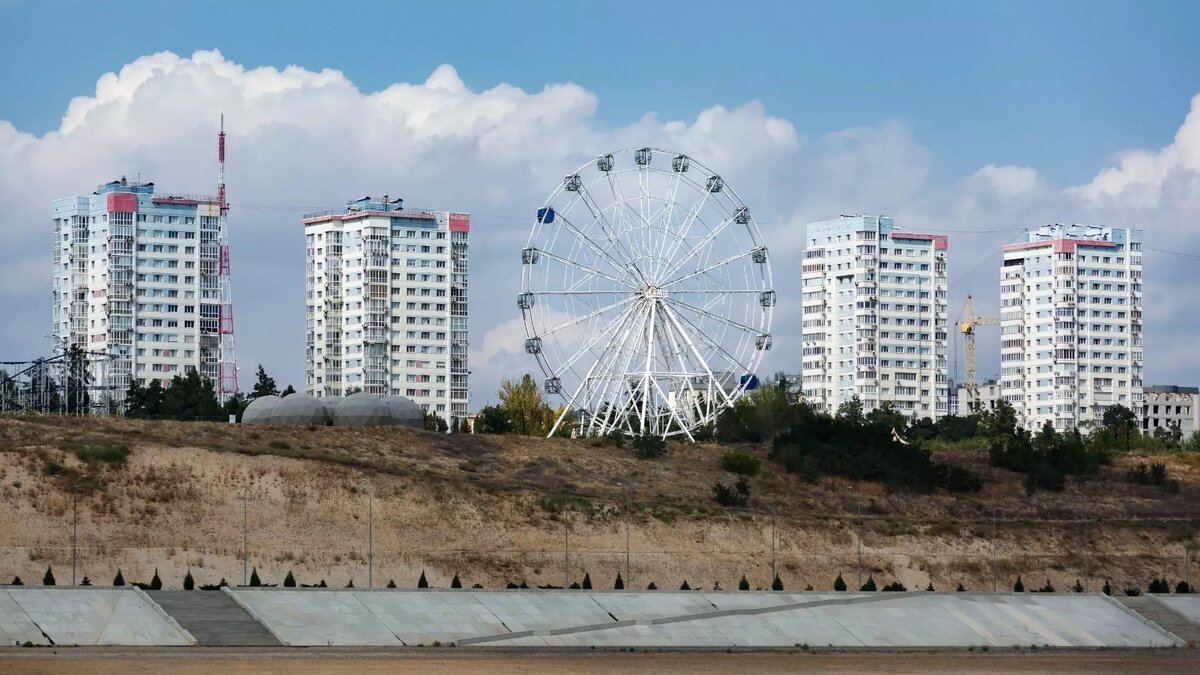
(995, 588)
(245, 540)
(370, 537)
(774, 574)
(627, 556)
(858, 509)
(74, 483)
(1087, 558)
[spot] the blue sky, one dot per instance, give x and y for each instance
(974, 118)
(1059, 85)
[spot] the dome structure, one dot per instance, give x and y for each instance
(361, 410)
(405, 412)
(260, 409)
(300, 410)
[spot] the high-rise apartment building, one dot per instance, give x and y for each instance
(875, 311)
(136, 280)
(1071, 324)
(387, 304)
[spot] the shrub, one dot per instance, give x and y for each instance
(587, 581)
(652, 587)
(86, 581)
(119, 580)
(649, 446)
(279, 445)
(870, 585)
(777, 584)
(156, 581)
(743, 585)
(960, 589)
(290, 580)
(511, 586)
(189, 583)
(619, 584)
(738, 495)
(1019, 587)
(1107, 590)
(422, 582)
(1048, 588)
(455, 583)
(1078, 587)
(48, 577)
(391, 583)
(684, 586)
(1159, 586)
(574, 586)
(741, 463)
(839, 584)
(1184, 587)
(254, 580)
(894, 587)
(17, 582)
(930, 588)
(1133, 592)
(350, 584)
(107, 453)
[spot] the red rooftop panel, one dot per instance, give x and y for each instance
(125, 202)
(940, 241)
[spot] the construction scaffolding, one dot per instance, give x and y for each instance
(76, 382)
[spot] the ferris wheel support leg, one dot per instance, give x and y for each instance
(649, 363)
(626, 320)
(695, 352)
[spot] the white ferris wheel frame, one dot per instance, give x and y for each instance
(647, 314)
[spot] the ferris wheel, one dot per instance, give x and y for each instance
(646, 295)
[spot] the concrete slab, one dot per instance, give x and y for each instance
(422, 618)
(16, 628)
(98, 616)
(315, 617)
(1186, 605)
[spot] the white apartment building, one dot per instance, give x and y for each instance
(875, 311)
(1071, 324)
(387, 304)
(135, 279)
(1168, 405)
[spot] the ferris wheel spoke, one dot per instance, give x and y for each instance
(686, 228)
(716, 317)
(706, 270)
(696, 352)
(674, 412)
(617, 378)
(585, 268)
(620, 205)
(716, 345)
(708, 239)
(612, 328)
(666, 214)
(616, 264)
(604, 364)
(610, 231)
(585, 317)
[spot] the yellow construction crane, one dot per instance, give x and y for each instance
(968, 331)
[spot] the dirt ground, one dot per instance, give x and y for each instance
(501, 509)
(305, 662)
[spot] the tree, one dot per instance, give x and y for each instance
(435, 423)
(522, 399)
(17, 582)
(587, 581)
(744, 584)
(851, 412)
(839, 584)
(870, 585)
(156, 581)
(290, 580)
(1107, 590)
(684, 586)
(235, 405)
(188, 582)
(1078, 587)
(929, 588)
(391, 583)
(144, 402)
(191, 396)
(287, 392)
(649, 446)
(960, 589)
(86, 581)
(492, 419)
(777, 584)
(1019, 587)
(1122, 422)
(119, 580)
(48, 578)
(619, 584)
(650, 587)
(422, 583)
(254, 580)
(455, 583)
(264, 384)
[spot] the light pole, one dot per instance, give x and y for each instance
(626, 486)
(858, 508)
(370, 537)
(245, 540)
(1087, 559)
(774, 574)
(566, 557)
(74, 483)
(994, 586)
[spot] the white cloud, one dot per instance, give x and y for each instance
(302, 139)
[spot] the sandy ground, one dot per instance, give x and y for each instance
(303, 662)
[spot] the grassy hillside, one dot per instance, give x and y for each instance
(168, 495)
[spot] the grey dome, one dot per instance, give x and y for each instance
(405, 412)
(300, 410)
(260, 409)
(361, 410)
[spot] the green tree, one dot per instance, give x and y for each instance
(619, 584)
(191, 396)
(777, 584)
(492, 419)
(851, 412)
(1122, 422)
(744, 584)
(455, 582)
(587, 581)
(1019, 587)
(235, 405)
(887, 418)
(839, 584)
(188, 582)
(870, 585)
(119, 580)
(48, 578)
(254, 580)
(264, 385)
(290, 580)
(522, 400)
(287, 392)
(422, 583)
(156, 582)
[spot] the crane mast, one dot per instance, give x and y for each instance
(968, 330)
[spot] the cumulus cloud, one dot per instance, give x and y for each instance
(304, 140)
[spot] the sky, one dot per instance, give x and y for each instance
(974, 119)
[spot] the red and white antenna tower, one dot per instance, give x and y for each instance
(227, 384)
